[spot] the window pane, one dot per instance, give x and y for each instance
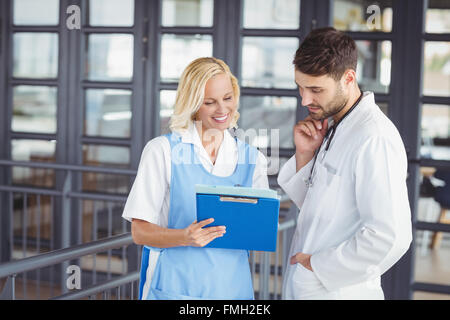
(111, 156)
(435, 132)
(438, 17)
(432, 249)
(167, 103)
(34, 109)
(177, 51)
(187, 13)
(271, 118)
(36, 12)
(35, 55)
(108, 222)
(360, 15)
(108, 113)
(438, 21)
(110, 57)
(111, 13)
(267, 62)
(35, 151)
(374, 65)
(272, 14)
(436, 75)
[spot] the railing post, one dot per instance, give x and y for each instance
(9, 290)
(265, 275)
(65, 226)
(6, 225)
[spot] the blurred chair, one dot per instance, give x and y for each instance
(442, 196)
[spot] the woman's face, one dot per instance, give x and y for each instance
(219, 104)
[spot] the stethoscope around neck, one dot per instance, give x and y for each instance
(329, 137)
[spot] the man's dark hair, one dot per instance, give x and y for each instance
(326, 51)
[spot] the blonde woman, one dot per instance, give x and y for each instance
(161, 204)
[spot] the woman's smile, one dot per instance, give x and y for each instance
(221, 119)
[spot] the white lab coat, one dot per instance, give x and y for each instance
(355, 220)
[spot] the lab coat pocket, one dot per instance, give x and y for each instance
(331, 178)
(305, 283)
(303, 275)
(331, 191)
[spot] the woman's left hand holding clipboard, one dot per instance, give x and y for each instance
(197, 236)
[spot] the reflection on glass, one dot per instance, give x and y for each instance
(435, 132)
(108, 223)
(177, 51)
(187, 13)
(111, 13)
(360, 15)
(167, 103)
(111, 156)
(34, 151)
(437, 21)
(436, 74)
(432, 249)
(110, 57)
(35, 55)
(270, 118)
(374, 65)
(35, 221)
(267, 62)
(36, 12)
(108, 113)
(34, 109)
(271, 14)
(438, 17)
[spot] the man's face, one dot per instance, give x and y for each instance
(322, 95)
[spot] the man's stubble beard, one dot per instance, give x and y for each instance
(340, 102)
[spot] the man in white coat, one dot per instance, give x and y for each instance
(347, 177)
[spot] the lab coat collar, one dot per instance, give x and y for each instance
(367, 101)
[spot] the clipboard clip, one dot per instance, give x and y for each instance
(238, 199)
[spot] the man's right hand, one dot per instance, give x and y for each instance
(308, 136)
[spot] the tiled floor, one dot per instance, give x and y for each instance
(431, 266)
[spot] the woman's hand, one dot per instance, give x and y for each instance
(197, 236)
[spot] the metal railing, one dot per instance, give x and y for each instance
(73, 228)
(268, 265)
(11, 269)
(38, 219)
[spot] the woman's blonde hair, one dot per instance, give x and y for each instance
(191, 90)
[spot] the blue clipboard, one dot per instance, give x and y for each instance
(250, 216)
